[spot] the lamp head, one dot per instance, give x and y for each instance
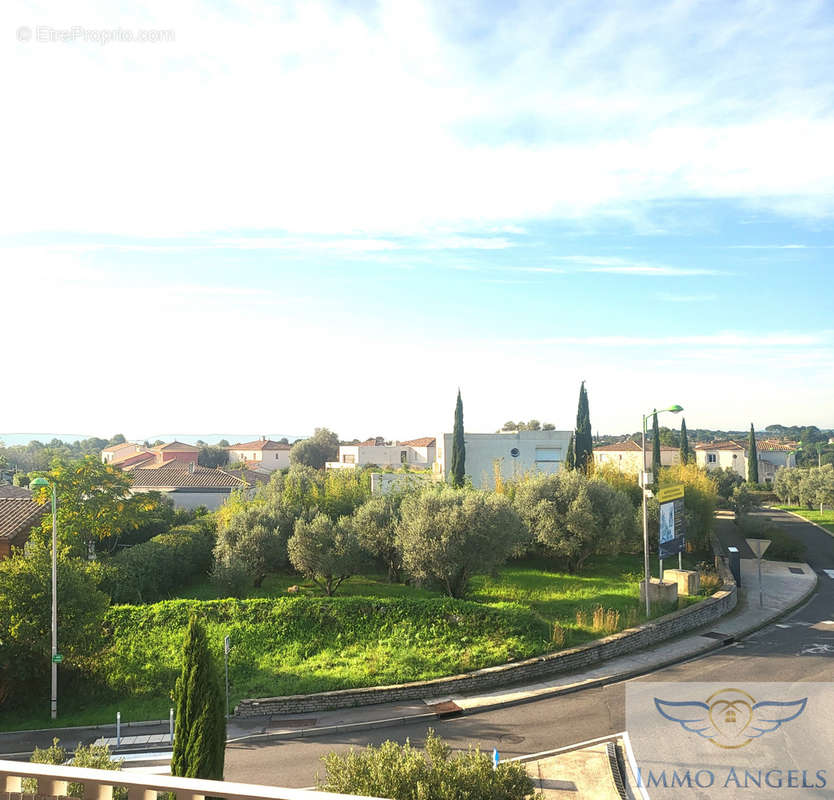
(676, 409)
(38, 483)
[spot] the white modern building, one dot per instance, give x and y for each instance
(514, 453)
(733, 454)
(415, 453)
(262, 454)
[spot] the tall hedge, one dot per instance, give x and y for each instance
(155, 569)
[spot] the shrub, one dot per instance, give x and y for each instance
(726, 480)
(783, 547)
(743, 501)
(448, 535)
(700, 496)
(157, 568)
(25, 617)
(708, 579)
(88, 756)
(403, 773)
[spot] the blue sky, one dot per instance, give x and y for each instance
(290, 215)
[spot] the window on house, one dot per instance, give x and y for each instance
(711, 458)
(403, 456)
(348, 459)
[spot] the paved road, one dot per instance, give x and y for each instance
(801, 647)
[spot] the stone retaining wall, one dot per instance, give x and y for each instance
(528, 671)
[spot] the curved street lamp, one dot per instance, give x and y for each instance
(675, 409)
(43, 483)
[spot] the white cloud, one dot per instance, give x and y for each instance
(723, 339)
(313, 117)
(649, 270)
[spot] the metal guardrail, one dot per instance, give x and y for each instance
(98, 785)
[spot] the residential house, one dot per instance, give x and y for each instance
(415, 453)
(626, 456)
(19, 513)
(514, 452)
(262, 454)
(189, 485)
(733, 454)
(118, 452)
(130, 456)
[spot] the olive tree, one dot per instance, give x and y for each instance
(253, 541)
(786, 483)
(817, 487)
(376, 525)
(573, 517)
(325, 552)
(447, 535)
(315, 452)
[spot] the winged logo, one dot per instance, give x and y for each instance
(730, 718)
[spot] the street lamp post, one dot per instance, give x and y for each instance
(646, 568)
(39, 483)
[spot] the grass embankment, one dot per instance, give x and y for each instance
(824, 518)
(372, 633)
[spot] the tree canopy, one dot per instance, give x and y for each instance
(315, 452)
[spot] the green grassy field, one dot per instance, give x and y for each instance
(826, 518)
(372, 633)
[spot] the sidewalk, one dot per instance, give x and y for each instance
(783, 590)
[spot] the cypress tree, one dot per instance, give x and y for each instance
(200, 742)
(458, 447)
(570, 458)
(684, 443)
(752, 457)
(655, 449)
(583, 442)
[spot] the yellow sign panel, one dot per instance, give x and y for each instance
(668, 493)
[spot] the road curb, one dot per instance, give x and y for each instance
(101, 726)
(804, 519)
(323, 730)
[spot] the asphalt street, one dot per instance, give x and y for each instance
(798, 648)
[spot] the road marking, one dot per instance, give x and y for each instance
(829, 572)
(827, 622)
(782, 625)
(818, 648)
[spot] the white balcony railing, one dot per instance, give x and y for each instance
(98, 785)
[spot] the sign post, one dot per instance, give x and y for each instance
(758, 546)
(226, 648)
(672, 539)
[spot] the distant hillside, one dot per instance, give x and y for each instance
(15, 439)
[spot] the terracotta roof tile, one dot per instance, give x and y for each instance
(730, 444)
(426, 441)
(631, 446)
(7, 492)
(260, 444)
(179, 447)
(181, 477)
(17, 514)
